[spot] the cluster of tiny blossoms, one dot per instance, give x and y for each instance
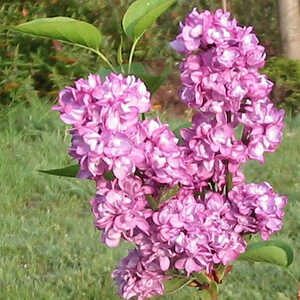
(136, 162)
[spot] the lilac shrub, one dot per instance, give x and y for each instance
(203, 224)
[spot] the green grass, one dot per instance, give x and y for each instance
(49, 248)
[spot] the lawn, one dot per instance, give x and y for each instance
(49, 248)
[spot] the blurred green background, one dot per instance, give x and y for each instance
(33, 67)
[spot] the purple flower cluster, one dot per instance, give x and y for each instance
(263, 128)
(198, 232)
(257, 209)
(105, 120)
(221, 65)
(220, 75)
(136, 277)
(204, 221)
(120, 209)
(214, 150)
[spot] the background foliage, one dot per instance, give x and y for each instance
(36, 67)
(285, 74)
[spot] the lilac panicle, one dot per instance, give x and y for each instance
(224, 71)
(164, 158)
(183, 203)
(120, 209)
(199, 232)
(208, 144)
(257, 208)
(105, 120)
(223, 77)
(137, 278)
(264, 126)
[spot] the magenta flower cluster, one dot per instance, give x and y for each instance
(220, 74)
(136, 163)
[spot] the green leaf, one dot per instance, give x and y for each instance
(211, 293)
(141, 14)
(229, 184)
(169, 193)
(205, 295)
(103, 72)
(151, 201)
(274, 252)
(201, 277)
(70, 171)
(177, 130)
(166, 194)
(63, 29)
(109, 176)
(152, 82)
(213, 290)
(135, 68)
(175, 284)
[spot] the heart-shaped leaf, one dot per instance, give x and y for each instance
(64, 29)
(175, 284)
(70, 171)
(274, 252)
(141, 14)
